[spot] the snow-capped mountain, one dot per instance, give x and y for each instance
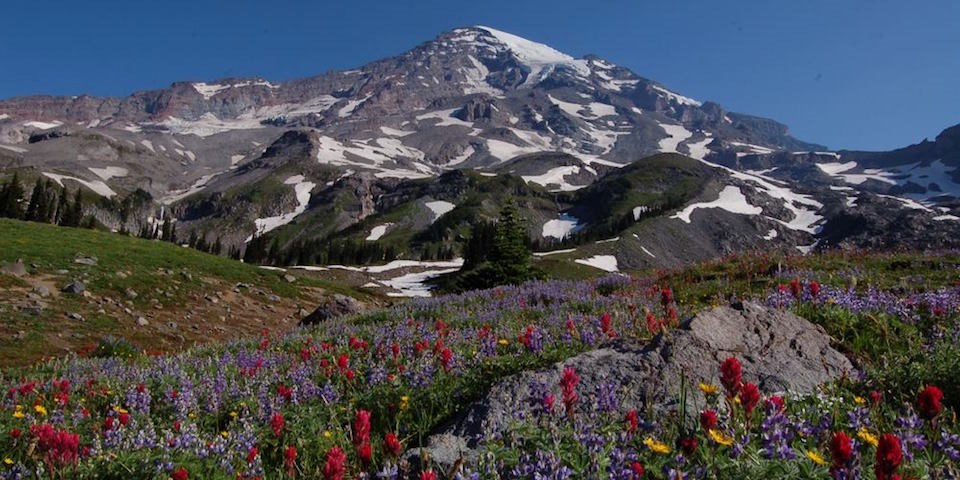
(328, 157)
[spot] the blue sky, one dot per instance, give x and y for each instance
(858, 74)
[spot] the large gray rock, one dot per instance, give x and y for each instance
(76, 288)
(780, 352)
(337, 306)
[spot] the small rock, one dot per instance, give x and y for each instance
(62, 272)
(172, 325)
(17, 269)
(75, 316)
(130, 293)
(143, 322)
(243, 285)
(273, 298)
(32, 310)
(75, 288)
(121, 275)
(91, 261)
(303, 312)
(42, 290)
(187, 276)
(289, 278)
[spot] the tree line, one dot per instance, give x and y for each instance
(48, 203)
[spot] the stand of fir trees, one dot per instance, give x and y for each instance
(48, 203)
(497, 253)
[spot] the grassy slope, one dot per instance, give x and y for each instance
(171, 283)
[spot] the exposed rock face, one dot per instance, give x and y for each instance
(780, 352)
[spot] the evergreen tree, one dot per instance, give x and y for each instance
(165, 231)
(510, 257)
(35, 207)
(63, 206)
(497, 254)
(11, 197)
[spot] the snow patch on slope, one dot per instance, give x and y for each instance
(607, 263)
(107, 173)
(439, 208)
(97, 186)
(302, 189)
(562, 227)
(731, 199)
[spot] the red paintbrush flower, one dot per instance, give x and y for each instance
(336, 466)
(731, 376)
(929, 402)
(548, 401)
(252, 454)
(889, 457)
(841, 449)
(290, 460)
(277, 423)
(361, 428)
(446, 359)
(428, 475)
(749, 397)
(688, 445)
(632, 421)
(708, 420)
(180, 474)
(568, 387)
(365, 452)
(392, 444)
(637, 469)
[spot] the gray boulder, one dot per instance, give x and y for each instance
(336, 306)
(76, 288)
(83, 260)
(780, 352)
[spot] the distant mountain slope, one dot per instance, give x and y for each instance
(364, 155)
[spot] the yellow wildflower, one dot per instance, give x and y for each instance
(224, 434)
(816, 457)
(868, 437)
(404, 402)
(503, 342)
(657, 447)
(234, 414)
(327, 434)
(859, 400)
(709, 389)
(40, 409)
(720, 438)
(8, 461)
(191, 415)
(18, 414)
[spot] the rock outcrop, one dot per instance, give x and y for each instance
(780, 352)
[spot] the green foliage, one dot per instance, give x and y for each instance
(113, 347)
(497, 254)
